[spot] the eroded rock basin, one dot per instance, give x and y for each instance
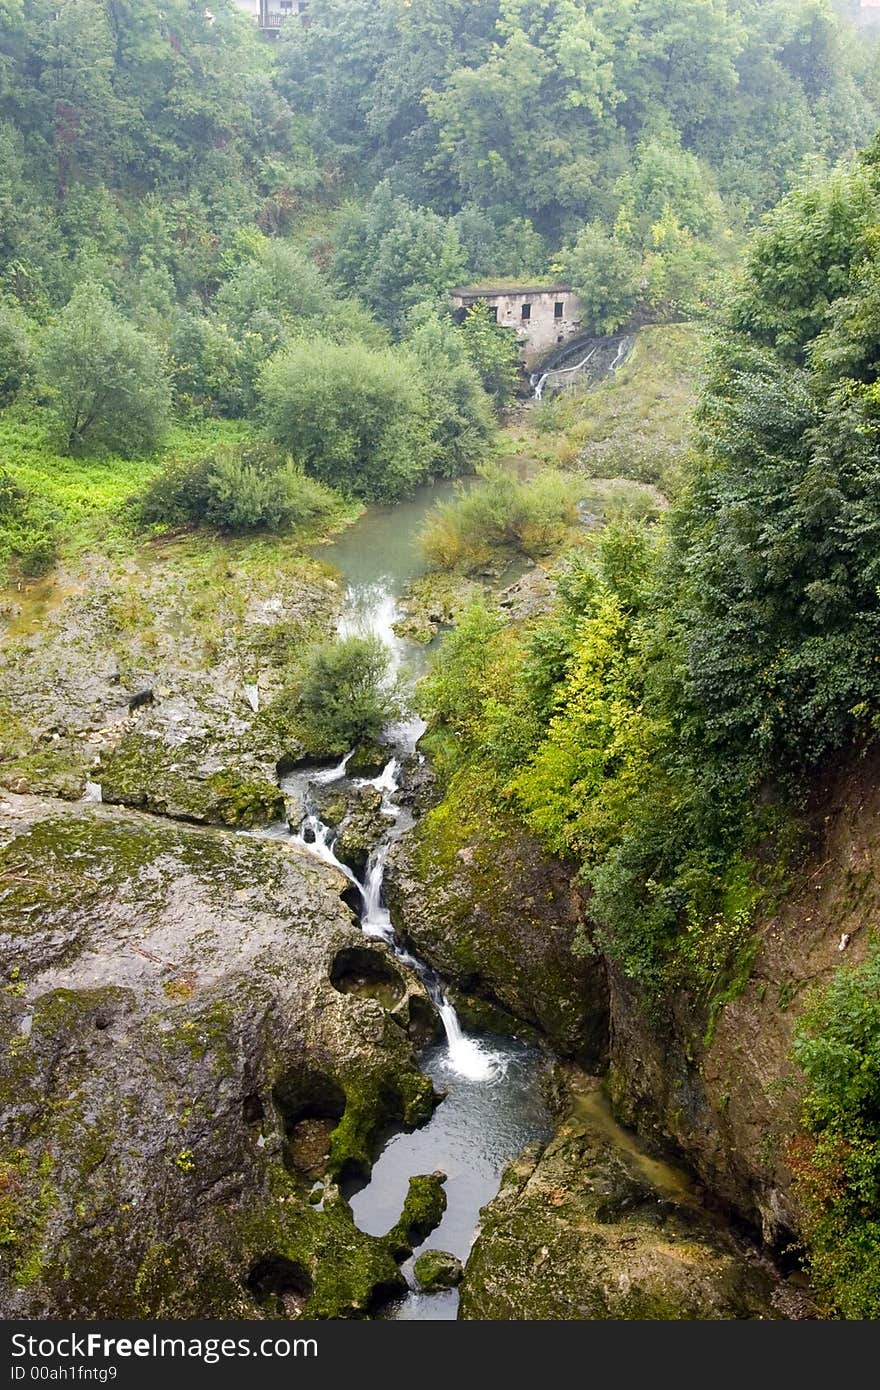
(471, 1136)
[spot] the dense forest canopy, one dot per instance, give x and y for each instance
(145, 145)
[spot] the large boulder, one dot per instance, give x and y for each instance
(498, 917)
(181, 1057)
(155, 674)
(590, 1229)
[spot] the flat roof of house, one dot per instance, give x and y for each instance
(511, 286)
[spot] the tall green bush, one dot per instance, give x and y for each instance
(16, 353)
(252, 488)
(342, 694)
(105, 381)
(357, 418)
(838, 1164)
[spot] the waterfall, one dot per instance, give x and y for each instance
(467, 1057)
(622, 352)
(562, 371)
(332, 774)
(373, 609)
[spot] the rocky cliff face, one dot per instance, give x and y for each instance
(730, 1105)
(189, 1041)
(498, 917)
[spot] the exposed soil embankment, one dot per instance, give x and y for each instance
(732, 1106)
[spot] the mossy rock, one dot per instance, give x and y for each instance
(159, 1134)
(422, 1211)
(589, 1230)
(437, 1269)
(145, 772)
(477, 897)
(368, 759)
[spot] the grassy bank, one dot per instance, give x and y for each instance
(65, 507)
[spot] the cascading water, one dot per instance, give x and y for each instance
(467, 1057)
(494, 1102)
(598, 359)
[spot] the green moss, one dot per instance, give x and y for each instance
(373, 1102)
(27, 1200)
(422, 1211)
(208, 1032)
(52, 769)
(144, 771)
(437, 1269)
(245, 802)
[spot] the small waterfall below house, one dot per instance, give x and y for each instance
(559, 373)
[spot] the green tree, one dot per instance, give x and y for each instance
(357, 418)
(106, 381)
(606, 275)
(838, 1167)
(802, 259)
(492, 350)
(343, 693)
(16, 353)
(462, 419)
(395, 256)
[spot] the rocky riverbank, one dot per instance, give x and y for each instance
(187, 1071)
(588, 1228)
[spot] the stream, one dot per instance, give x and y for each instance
(494, 1103)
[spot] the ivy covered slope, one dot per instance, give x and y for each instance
(692, 730)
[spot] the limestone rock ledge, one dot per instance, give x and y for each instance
(497, 917)
(590, 1229)
(187, 1072)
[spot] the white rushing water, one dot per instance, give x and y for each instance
(372, 609)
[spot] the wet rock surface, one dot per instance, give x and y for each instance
(587, 1229)
(177, 1066)
(356, 814)
(153, 675)
(497, 917)
(437, 1269)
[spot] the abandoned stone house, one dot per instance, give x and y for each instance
(542, 315)
(271, 14)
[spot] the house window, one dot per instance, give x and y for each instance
(492, 311)
(526, 312)
(558, 308)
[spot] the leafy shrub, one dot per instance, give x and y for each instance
(605, 274)
(16, 353)
(253, 488)
(461, 415)
(499, 512)
(451, 689)
(837, 1164)
(341, 694)
(28, 531)
(493, 352)
(105, 380)
(358, 418)
(208, 366)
